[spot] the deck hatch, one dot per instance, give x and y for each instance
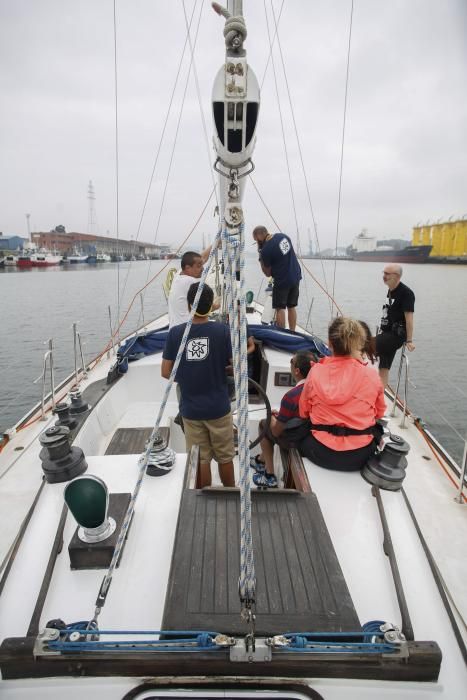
(300, 585)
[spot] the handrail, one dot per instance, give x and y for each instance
(404, 361)
(48, 357)
(460, 498)
(78, 345)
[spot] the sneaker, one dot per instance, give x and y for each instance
(264, 480)
(257, 465)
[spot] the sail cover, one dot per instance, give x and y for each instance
(271, 336)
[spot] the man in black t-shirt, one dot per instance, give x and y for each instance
(278, 260)
(396, 322)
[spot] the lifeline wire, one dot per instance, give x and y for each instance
(143, 461)
(342, 149)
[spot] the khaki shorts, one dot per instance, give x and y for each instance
(214, 437)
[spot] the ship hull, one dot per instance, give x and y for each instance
(411, 254)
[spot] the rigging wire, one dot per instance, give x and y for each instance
(342, 147)
(200, 103)
(315, 226)
(159, 147)
(61, 397)
(117, 184)
(174, 143)
(315, 279)
(284, 141)
(281, 119)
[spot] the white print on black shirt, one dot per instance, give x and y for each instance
(197, 349)
(284, 246)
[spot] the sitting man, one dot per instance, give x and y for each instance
(201, 374)
(300, 365)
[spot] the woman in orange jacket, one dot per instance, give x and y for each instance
(343, 397)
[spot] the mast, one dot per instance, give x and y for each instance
(235, 105)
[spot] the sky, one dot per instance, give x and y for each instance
(404, 157)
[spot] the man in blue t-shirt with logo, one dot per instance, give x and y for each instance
(201, 375)
(278, 260)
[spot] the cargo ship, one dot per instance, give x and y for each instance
(365, 248)
(410, 254)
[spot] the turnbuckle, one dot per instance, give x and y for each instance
(248, 616)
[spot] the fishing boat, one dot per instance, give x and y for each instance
(121, 577)
(44, 258)
(10, 260)
(76, 258)
(24, 260)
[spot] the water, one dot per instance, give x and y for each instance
(39, 304)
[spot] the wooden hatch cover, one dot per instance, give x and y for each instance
(299, 583)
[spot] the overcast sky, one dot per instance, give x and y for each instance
(406, 134)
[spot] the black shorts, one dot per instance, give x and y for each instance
(387, 344)
(343, 461)
(285, 297)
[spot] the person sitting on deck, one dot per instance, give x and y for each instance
(300, 365)
(343, 397)
(201, 374)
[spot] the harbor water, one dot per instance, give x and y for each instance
(39, 304)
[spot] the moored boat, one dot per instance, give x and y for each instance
(24, 260)
(10, 260)
(45, 258)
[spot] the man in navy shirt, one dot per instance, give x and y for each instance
(300, 365)
(278, 260)
(201, 375)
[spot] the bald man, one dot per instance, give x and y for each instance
(396, 322)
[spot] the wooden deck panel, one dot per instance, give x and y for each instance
(300, 585)
(131, 441)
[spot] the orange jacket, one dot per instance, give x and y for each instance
(342, 391)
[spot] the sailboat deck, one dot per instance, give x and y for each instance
(299, 580)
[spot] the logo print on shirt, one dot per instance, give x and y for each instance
(284, 246)
(197, 349)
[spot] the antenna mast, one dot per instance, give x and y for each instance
(92, 218)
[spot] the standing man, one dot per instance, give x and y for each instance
(201, 375)
(278, 260)
(396, 322)
(190, 272)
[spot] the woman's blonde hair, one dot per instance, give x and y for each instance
(346, 335)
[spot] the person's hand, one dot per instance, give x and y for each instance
(410, 346)
(229, 370)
